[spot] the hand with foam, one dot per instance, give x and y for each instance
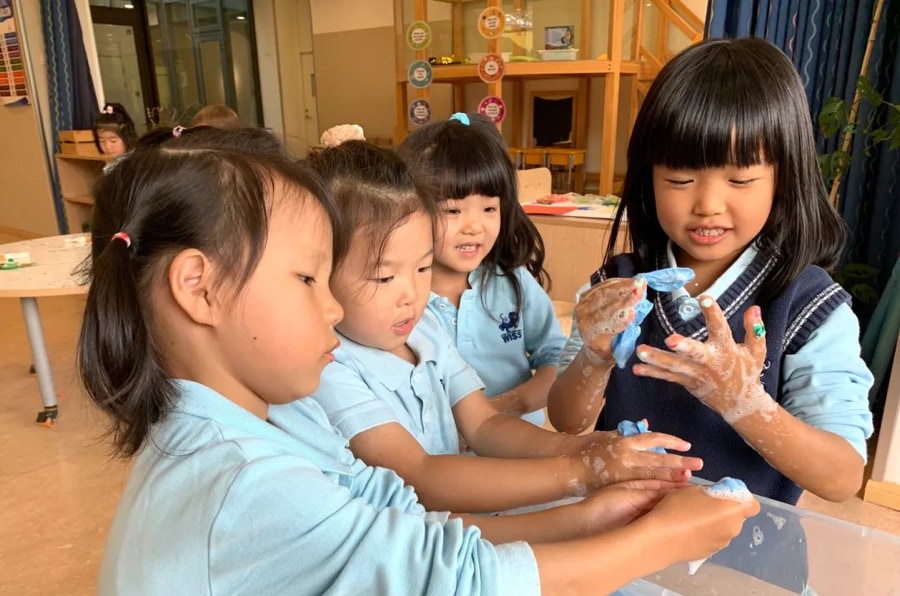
(627, 428)
(610, 314)
(607, 457)
(722, 374)
(695, 524)
(605, 311)
(726, 488)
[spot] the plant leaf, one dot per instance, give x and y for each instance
(868, 92)
(895, 139)
(833, 116)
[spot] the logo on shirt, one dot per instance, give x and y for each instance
(509, 327)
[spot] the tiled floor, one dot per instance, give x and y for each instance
(59, 487)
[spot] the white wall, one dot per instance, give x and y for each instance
(334, 16)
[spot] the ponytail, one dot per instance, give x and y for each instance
(117, 358)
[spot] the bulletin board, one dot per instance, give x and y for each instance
(13, 88)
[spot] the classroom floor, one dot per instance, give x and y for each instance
(59, 487)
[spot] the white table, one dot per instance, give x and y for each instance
(53, 274)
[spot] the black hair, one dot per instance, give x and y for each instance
(458, 160)
(374, 190)
(114, 118)
(740, 103)
(208, 189)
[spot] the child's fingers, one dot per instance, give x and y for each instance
(719, 331)
(689, 365)
(755, 339)
(648, 440)
(671, 461)
(690, 348)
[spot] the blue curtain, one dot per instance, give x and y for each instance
(73, 102)
(826, 40)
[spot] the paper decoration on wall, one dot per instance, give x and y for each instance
(491, 22)
(420, 112)
(490, 68)
(419, 74)
(418, 35)
(493, 107)
(13, 91)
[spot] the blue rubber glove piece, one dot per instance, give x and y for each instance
(662, 280)
(627, 428)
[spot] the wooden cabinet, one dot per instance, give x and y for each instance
(77, 175)
(574, 248)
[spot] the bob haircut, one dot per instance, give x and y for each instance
(733, 103)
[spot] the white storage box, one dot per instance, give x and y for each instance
(567, 54)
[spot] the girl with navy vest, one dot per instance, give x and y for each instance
(209, 305)
(488, 264)
(756, 362)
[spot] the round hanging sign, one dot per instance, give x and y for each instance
(420, 111)
(493, 107)
(490, 68)
(418, 35)
(419, 74)
(491, 22)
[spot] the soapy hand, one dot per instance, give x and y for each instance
(608, 305)
(604, 311)
(696, 525)
(726, 488)
(722, 374)
(606, 457)
(615, 506)
(627, 428)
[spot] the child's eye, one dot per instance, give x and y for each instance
(382, 280)
(452, 211)
(425, 269)
(745, 182)
(490, 209)
(675, 182)
(308, 280)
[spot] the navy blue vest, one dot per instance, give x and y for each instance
(789, 318)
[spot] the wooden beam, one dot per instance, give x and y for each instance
(582, 101)
(651, 59)
(517, 112)
(401, 127)
(458, 30)
(676, 19)
(662, 31)
(611, 98)
(688, 14)
(639, 38)
(586, 28)
(459, 97)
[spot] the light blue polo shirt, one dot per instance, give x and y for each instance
(365, 387)
(501, 343)
(221, 502)
(824, 383)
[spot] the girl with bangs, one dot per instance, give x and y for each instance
(488, 263)
(756, 362)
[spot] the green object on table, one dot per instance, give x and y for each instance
(14, 265)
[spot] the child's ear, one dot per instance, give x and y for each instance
(191, 277)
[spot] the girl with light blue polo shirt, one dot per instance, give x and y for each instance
(401, 392)
(488, 265)
(723, 178)
(209, 305)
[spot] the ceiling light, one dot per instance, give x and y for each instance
(241, 17)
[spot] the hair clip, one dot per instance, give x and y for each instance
(109, 110)
(176, 132)
(123, 237)
(460, 117)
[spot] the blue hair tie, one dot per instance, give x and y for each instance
(460, 117)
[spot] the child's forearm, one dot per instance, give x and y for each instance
(508, 437)
(480, 484)
(527, 397)
(817, 460)
(577, 396)
(601, 564)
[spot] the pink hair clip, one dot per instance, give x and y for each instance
(176, 132)
(123, 237)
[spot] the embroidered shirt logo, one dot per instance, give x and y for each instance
(509, 327)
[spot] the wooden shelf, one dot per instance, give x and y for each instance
(83, 157)
(80, 199)
(452, 73)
